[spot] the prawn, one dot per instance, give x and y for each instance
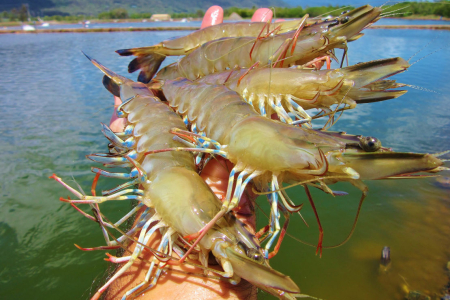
(268, 152)
(293, 91)
(275, 51)
(149, 59)
(178, 201)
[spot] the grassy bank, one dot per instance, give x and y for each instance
(98, 21)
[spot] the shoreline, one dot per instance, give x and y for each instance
(88, 30)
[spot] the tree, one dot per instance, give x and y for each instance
(13, 15)
(23, 13)
(119, 13)
(200, 13)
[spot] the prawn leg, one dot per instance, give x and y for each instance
(143, 238)
(282, 233)
(110, 159)
(164, 247)
(115, 140)
(285, 208)
(274, 218)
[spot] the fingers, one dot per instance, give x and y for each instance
(117, 124)
(213, 16)
(262, 15)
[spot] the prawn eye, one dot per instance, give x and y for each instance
(255, 255)
(344, 20)
(370, 144)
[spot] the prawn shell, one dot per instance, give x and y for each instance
(149, 112)
(273, 146)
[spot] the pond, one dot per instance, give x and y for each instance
(53, 102)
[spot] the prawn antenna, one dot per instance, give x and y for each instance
(79, 187)
(419, 88)
(349, 235)
(274, 14)
(426, 45)
(425, 55)
(391, 13)
(331, 11)
(401, 13)
(385, 4)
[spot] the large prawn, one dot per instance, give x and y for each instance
(179, 202)
(279, 50)
(150, 58)
(268, 152)
(291, 92)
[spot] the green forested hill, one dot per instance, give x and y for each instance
(93, 7)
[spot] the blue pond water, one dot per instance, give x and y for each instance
(52, 104)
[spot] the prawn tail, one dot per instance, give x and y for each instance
(119, 85)
(114, 77)
(366, 73)
(261, 275)
(111, 86)
(147, 60)
(369, 83)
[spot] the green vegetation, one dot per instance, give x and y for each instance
(295, 12)
(198, 14)
(117, 13)
(68, 19)
(408, 9)
(16, 14)
(405, 9)
(279, 12)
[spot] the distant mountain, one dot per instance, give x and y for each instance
(93, 7)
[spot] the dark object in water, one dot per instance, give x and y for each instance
(385, 256)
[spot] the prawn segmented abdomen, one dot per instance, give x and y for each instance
(223, 109)
(161, 120)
